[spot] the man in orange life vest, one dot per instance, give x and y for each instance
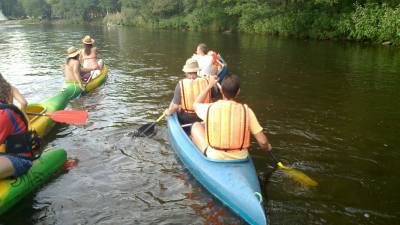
(225, 134)
(15, 140)
(186, 91)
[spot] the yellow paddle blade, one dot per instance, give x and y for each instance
(297, 175)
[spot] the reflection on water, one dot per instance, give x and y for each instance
(330, 110)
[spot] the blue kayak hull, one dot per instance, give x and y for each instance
(234, 183)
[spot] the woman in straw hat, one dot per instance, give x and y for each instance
(88, 55)
(72, 67)
(186, 91)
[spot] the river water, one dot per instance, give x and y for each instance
(330, 109)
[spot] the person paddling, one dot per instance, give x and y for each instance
(225, 134)
(72, 68)
(186, 91)
(88, 57)
(17, 144)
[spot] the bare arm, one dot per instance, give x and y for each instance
(262, 141)
(97, 58)
(94, 49)
(220, 63)
(258, 133)
(81, 55)
(175, 103)
(200, 99)
(77, 76)
(172, 109)
(20, 98)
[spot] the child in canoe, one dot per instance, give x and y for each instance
(17, 145)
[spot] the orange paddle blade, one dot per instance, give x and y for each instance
(69, 116)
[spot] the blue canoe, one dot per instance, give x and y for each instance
(234, 183)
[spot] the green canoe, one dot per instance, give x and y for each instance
(42, 124)
(13, 190)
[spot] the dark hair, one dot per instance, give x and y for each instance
(230, 86)
(88, 48)
(5, 89)
(203, 47)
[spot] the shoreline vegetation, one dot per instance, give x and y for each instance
(374, 21)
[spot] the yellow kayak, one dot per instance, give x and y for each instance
(97, 81)
(42, 124)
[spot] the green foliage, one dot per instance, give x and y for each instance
(177, 22)
(164, 8)
(390, 23)
(35, 8)
(375, 22)
(110, 6)
(12, 8)
(368, 20)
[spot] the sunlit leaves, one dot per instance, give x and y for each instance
(376, 20)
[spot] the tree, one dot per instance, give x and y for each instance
(12, 8)
(35, 8)
(110, 6)
(164, 8)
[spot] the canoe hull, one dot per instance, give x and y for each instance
(99, 80)
(42, 124)
(51, 161)
(234, 183)
(13, 190)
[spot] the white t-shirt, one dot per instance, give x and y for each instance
(205, 64)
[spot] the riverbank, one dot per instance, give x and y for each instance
(46, 21)
(372, 23)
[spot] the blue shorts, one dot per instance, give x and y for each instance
(21, 165)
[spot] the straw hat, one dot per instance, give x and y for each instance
(87, 40)
(72, 52)
(191, 66)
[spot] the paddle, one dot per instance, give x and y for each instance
(66, 116)
(147, 129)
(295, 174)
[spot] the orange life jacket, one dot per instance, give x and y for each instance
(190, 90)
(22, 144)
(227, 126)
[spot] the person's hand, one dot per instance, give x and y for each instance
(167, 112)
(269, 148)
